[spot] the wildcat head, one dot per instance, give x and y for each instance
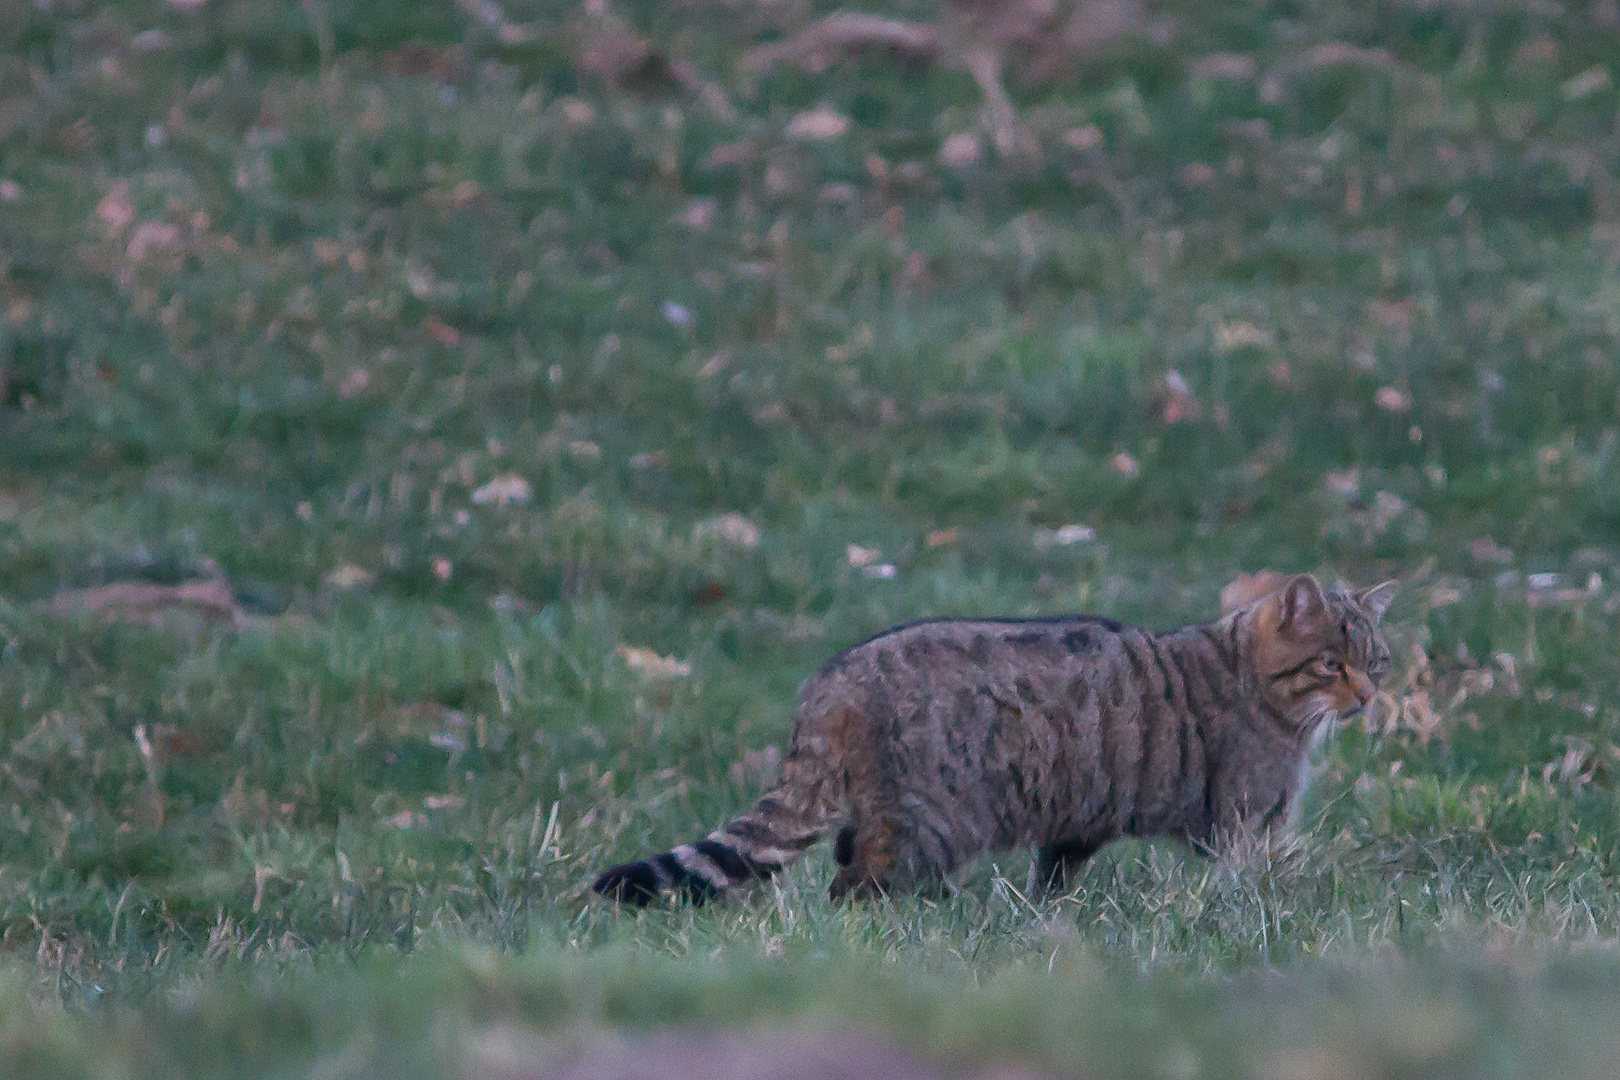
(1318, 654)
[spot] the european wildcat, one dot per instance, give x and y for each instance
(942, 739)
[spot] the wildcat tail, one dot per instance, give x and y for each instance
(750, 847)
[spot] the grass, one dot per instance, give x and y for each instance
(294, 293)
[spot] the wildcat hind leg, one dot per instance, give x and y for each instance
(864, 853)
(884, 854)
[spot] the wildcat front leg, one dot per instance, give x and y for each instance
(1054, 863)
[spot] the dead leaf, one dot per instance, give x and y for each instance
(733, 530)
(1083, 138)
(1593, 80)
(1196, 175)
(1063, 536)
(149, 809)
(150, 604)
(1247, 588)
(1236, 66)
(1176, 399)
(698, 214)
(1417, 714)
(442, 332)
(1240, 335)
(577, 113)
(416, 720)
(171, 743)
(241, 806)
(1346, 482)
(697, 1053)
(445, 64)
(1387, 506)
(652, 665)
(859, 556)
(729, 155)
(818, 124)
(354, 383)
(619, 56)
(348, 576)
(115, 208)
(1125, 465)
(503, 489)
(1392, 314)
(961, 151)
(150, 236)
(1393, 399)
(843, 35)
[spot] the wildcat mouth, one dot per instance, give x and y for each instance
(1323, 714)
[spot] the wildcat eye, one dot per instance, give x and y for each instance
(1324, 667)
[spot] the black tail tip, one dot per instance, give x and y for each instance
(633, 883)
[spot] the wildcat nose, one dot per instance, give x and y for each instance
(1361, 686)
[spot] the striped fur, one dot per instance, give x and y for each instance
(939, 740)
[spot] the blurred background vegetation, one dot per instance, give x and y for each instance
(437, 439)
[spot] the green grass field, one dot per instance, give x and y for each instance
(549, 418)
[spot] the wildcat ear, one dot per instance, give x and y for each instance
(1376, 599)
(1301, 598)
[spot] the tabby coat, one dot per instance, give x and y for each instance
(939, 740)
